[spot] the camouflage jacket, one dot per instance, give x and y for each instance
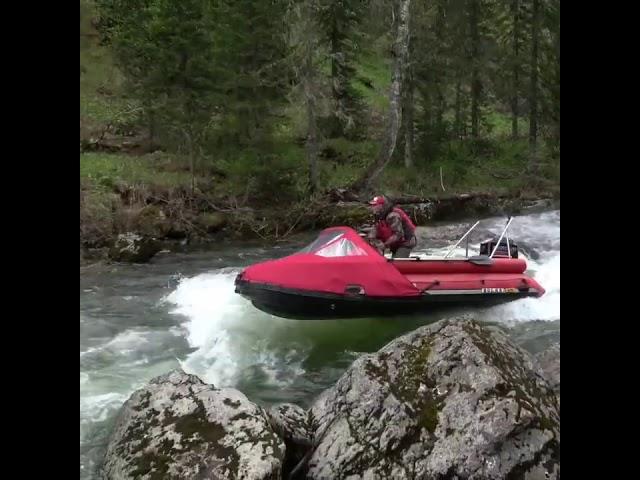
(394, 221)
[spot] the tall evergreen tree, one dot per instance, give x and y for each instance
(401, 9)
(340, 23)
(252, 34)
(533, 82)
(305, 41)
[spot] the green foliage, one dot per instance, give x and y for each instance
(100, 80)
(446, 53)
(107, 170)
(467, 166)
(253, 58)
(194, 70)
(373, 79)
(340, 22)
(266, 175)
(96, 219)
(221, 81)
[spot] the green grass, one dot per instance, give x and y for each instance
(372, 66)
(498, 167)
(108, 169)
(500, 125)
(101, 98)
(377, 70)
(466, 166)
(280, 168)
(100, 80)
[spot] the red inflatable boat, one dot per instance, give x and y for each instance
(339, 275)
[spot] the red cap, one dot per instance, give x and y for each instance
(379, 200)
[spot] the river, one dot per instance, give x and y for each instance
(139, 321)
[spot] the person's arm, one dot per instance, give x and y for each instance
(372, 239)
(395, 223)
(378, 245)
(373, 232)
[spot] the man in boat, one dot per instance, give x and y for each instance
(393, 228)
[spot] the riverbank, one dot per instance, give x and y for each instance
(126, 197)
(130, 182)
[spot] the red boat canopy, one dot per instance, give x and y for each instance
(337, 259)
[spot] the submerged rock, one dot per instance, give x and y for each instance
(134, 248)
(181, 428)
(449, 400)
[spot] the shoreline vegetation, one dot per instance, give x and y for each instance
(182, 142)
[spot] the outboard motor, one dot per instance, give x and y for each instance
(487, 247)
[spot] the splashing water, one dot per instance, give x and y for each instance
(186, 313)
(231, 337)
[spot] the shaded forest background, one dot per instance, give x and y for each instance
(197, 114)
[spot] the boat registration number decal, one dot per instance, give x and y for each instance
(499, 290)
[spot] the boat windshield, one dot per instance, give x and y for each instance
(333, 244)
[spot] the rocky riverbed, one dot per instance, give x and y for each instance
(454, 399)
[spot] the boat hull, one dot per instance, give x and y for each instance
(307, 305)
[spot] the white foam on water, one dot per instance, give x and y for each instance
(112, 370)
(230, 335)
(123, 343)
(280, 368)
(96, 408)
(547, 307)
(232, 340)
(103, 391)
(543, 232)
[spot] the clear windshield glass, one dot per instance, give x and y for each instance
(340, 248)
(333, 244)
(322, 240)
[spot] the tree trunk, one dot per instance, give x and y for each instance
(441, 68)
(457, 127)
(151, 118)
(192, 162)
(440, 108)
(312, 146)
(337, 80)
(427, 118)
(533, 96)
(408, 109)
(408, 134)
(475, 74)
(395, 113)
(515, 10)
(312, 130)
(556, 89)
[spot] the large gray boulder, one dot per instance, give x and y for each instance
(178, 427)
(292, 423)
(449, 400)
(549, 361)
(295, 426)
